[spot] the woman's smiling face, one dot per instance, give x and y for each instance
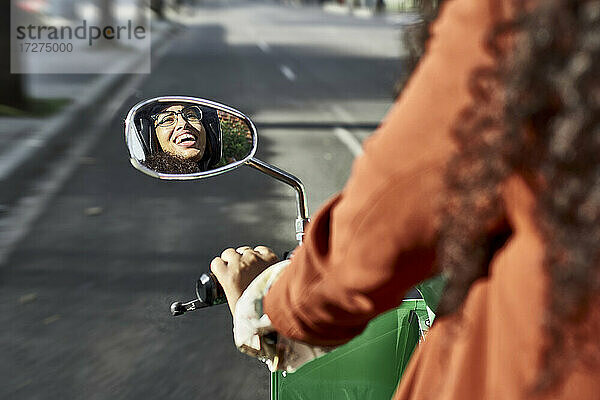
(180, 131)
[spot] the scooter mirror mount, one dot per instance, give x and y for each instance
(186, 138)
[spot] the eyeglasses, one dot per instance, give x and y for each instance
(192, 114)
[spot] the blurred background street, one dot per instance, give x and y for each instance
(92, 253)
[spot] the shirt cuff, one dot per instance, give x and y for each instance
(255, 335)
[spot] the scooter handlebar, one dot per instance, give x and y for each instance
(209, 292)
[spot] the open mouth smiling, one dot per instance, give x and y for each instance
(185, 139)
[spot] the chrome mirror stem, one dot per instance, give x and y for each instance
(289, 179)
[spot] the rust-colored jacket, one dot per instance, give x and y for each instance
(376, 239)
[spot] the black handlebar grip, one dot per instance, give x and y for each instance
(209, 290)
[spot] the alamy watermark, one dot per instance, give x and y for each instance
(41, 43)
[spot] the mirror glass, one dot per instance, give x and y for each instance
(187, 138)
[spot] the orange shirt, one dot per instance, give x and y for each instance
(377, 239)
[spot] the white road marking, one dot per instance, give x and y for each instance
(287, 72)
(264, 46)
(345, 136)
(19, 219)
(349, 140)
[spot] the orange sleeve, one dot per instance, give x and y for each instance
(375, 240)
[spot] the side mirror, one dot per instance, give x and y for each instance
(181, 138)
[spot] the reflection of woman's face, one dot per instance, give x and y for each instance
(180, 131)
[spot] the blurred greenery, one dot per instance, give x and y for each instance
(36, 108)
(237, 141)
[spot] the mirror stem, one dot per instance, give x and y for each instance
(302, 219)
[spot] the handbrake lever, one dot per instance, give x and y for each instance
(179, 308)
(209, 292)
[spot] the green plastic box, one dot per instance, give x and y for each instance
(370, 366)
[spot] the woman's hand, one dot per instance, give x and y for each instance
(236, 268)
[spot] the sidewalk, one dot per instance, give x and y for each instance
(22, 138)
(392, 16)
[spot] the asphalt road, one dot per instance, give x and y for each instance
(85, 294)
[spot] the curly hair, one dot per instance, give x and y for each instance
(535, 113)
(171, 164)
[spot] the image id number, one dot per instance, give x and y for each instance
(46, 47)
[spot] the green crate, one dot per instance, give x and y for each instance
(368, 367)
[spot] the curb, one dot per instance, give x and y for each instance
(53, 141)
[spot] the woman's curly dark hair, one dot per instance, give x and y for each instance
(535, 113)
